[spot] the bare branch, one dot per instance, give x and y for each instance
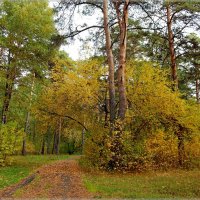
(80, 31)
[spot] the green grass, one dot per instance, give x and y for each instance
(176, 184)
(23, 166)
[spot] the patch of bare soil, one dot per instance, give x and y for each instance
(58, 180)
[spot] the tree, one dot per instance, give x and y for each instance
(122, 18)
(176, 18)
(10, 140)
(110, 62)
(26, 30)
(171, 47)
(152, 108)
(191, 57)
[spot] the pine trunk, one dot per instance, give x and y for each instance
(110, 62)
(197, 91)
(171, 49)
(123, 22)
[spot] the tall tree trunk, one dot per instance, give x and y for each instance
(110, 62)
(43, 146)
(54, 142)
(123, 23)
(10, 79)
(27, 122)
(6, 102)
(83, 140)
(58, 136)
(181, 148)
(25, 130)
(197, 91)
(34, 131)
(106, 110)
(171, 48)
(68, 147)
(48, 140)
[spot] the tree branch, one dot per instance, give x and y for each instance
(65, 116)
(91, 4)
(80, 31)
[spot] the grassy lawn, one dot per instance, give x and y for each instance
(176, 184)
(23, 166)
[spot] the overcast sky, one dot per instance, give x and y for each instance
(74, 49)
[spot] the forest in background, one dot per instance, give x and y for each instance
(133, 105)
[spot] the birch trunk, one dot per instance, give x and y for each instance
(122, 17)
(27, 122)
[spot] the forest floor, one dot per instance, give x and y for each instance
(61, 179)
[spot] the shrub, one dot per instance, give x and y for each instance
(162, 150)
(10, 141)
(96, 151)
(30, 147)
(192, 151)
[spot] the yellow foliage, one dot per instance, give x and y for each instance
(30, 147)
(162, 150)
(152, 100)
(192, 148)
(74, 91)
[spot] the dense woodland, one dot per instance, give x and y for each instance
(132, 105)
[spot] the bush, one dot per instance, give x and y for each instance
(116, 151)
(96, 150)
(162, 150)
(30, 147)
(10, 141)
(192, 151)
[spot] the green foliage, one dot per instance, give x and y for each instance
(10, 141)
(27, 27)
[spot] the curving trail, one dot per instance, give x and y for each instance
(61, 179)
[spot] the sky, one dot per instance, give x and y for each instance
(74, 49)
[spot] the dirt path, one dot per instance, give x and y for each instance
(58, 180)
